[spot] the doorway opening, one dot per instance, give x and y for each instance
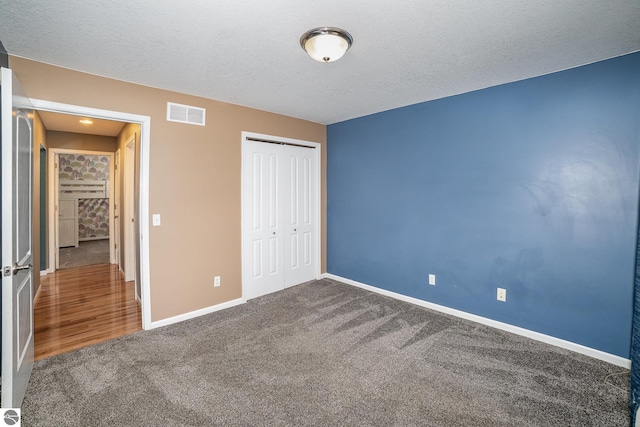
(138, 185)
(82, 206)
(84, 297)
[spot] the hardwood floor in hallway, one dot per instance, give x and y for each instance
(83, 306)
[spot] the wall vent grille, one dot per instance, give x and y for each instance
(185, 114)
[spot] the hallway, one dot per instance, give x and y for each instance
(83, 306)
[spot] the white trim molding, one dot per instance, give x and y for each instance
(548, 339)
(196, 313)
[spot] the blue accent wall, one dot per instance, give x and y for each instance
(530, 186)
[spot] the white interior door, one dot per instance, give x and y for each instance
(300, 217)
(17, 272)
(263, 216)
(116, 209)
(56, 210)
(280, 216)
(129, 211)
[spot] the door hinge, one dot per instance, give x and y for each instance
(6, 271)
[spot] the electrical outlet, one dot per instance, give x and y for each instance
(432, 279)
(502, 295)
(216, 281)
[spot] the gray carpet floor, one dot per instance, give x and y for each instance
(89, 252)
(325, 354)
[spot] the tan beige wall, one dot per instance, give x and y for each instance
(39, 138)
(194, 180)
(80, 141)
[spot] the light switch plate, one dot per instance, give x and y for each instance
(156, 220)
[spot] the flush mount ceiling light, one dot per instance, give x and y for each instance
(326, 44)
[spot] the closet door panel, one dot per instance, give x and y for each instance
(263, 215)
(301, 207)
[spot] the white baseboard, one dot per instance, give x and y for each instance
(43, 273)
(197, 313)
(568, 345)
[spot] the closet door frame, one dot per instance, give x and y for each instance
(245, 194)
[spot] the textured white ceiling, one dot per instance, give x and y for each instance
(248, 53)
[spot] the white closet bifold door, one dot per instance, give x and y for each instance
(280, 216)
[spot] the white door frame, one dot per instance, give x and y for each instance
(317, 231)
(129, 210)
(143, 192)
(54, 196)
